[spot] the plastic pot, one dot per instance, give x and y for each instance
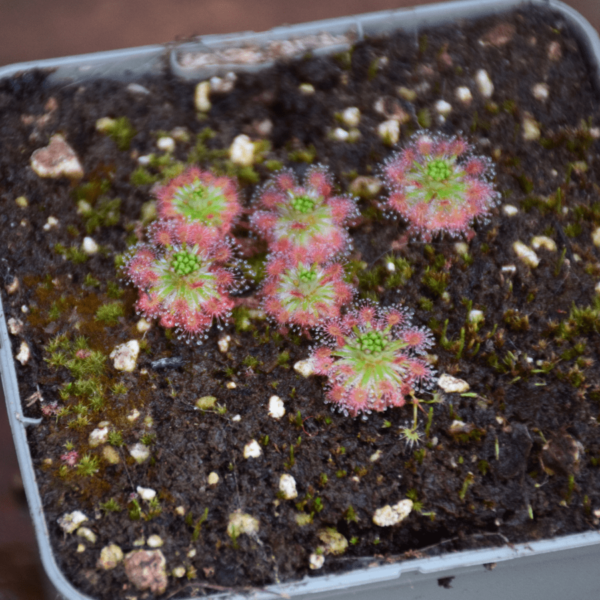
(558, 568)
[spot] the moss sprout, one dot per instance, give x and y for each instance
(120, 130)
(88, 465)
(111, 505)
(110, 313)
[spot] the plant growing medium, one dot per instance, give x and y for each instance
(366, 386)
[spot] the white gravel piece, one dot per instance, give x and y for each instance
(134, 415)
(139, 452)
(223, 343)
(541, 91)
(351, 116)
(201, 99)
(69, 522)
(13, 287)
(443, 108)
(24, 353)
(223, 85)
(98, 436)
(463, 94)
(136, 88)
(389, 132)
(146, 493)
(484, 83)
(125, 356)
(333, 541)
(89, 246)
(307, 89)
(304, 367)
(165, 143)
(389, 516)
(155, 541)
(543, 241)
(316, 561)
(241, 151)
(252, 449)
(526, 254)
(87, 534)
(110, 557)
(51, 223)
(276, 407)
(287, 486)
(452, 385)
(142, 325)
(15, 326)
(596, 237)
(461, 248)
(375, 456)
(476, 316)
(57, 159)
(213, 478)
(531, 128)
(339, 134)
(240, 523)
(178, 572)
(509, 210)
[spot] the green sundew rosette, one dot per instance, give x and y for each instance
(183, 275)
(439, 170)
(439, 179)
(371, 356)
(185, 263)
(311, 213)
(307, 283)
(303, 204)
(201, 203)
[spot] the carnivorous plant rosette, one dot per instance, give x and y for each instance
(307, 221)
(184, 276)
(437, 185)
(202, 197)
(371, 358)
(302, 294)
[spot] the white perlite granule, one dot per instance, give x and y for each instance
(452, 385)
(388, 516)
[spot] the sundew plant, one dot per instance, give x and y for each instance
(437, 185)
(306, 221)
(185, 276)
(371, 358)
(304, 295)
(201, 197)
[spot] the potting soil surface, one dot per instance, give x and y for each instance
(513, 459)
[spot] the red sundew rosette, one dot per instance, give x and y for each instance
(404, 175)
(222, 185)
(279, 295)
(348, 389)
(189, 303)
(282, 228)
